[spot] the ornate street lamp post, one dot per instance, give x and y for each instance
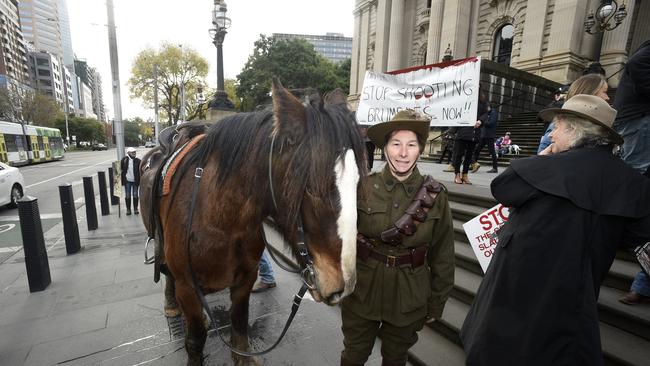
(607, 11)
(221, 23)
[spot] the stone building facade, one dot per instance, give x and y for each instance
(543, 37)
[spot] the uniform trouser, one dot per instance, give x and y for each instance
(359, 337)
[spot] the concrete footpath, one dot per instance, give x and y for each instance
(103, 308)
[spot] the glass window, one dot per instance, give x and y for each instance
(502, 50)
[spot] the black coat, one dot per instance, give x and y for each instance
(471, 133)
(124, 165)
(633, 90)
(489, 126)
(537, 304)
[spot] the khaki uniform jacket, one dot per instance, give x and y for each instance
(402, 295)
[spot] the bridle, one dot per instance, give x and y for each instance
(307, 273)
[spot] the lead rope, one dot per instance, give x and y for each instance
(297, 298)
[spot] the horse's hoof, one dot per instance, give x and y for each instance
(172, 312)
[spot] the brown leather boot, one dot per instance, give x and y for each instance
(458, 179)
(465, 179)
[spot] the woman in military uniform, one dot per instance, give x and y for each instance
(405, 253)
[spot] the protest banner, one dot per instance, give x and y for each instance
(482, 233)
(447, 93)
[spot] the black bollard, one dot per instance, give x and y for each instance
(103, 195)
(38, 267)
(91, 210)
(114, 199)
(69, 213)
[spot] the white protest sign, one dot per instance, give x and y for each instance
(447, 94)
(482, 233)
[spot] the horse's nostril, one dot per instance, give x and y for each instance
(334, 297)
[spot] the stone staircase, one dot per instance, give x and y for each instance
(525, 131)
(625, 330)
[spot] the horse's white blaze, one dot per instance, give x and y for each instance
(347, 178)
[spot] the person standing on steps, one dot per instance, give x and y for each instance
(130, 167)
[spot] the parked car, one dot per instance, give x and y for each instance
(99, 147)
(11, 185)
(150, 144)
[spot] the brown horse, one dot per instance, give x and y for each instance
(316, 158)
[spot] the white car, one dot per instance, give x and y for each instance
(12, 185)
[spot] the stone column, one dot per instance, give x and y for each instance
(533, 34)
(455, 27)
(435, 31)
(568, 26)
(381, 35)
(473, 28)
(354, 64)
(395, 38)
(363, 45)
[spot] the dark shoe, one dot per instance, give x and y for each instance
(135, 206)
(261, 286)
(492, 171)
(632, 298)
(475, 167)
(128, 205)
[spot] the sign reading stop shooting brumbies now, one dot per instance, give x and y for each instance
(482, 233)
(447, 93)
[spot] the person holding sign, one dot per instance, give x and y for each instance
(405, 248)
(537, 304)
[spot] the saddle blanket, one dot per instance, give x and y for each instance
(174, 161)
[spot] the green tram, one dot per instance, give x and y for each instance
(28, 144)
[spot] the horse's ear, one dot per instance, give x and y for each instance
(288, 112)
(336, 97)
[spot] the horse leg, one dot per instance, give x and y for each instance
(171, 306)
(195, 331)
(239, 296)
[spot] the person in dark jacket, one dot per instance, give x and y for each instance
(633, 123)
(570, 211)
(130, 168)
(488, 133)
(465, 141)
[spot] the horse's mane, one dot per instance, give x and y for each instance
(242, 143)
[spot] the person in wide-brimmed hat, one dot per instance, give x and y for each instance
(570, 210)
(405, 261)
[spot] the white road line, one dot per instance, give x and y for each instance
(43, 216)
(68, 173)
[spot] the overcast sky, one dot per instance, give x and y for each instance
(148, 23)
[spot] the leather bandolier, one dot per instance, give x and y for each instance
(170, 139)
(405, 226)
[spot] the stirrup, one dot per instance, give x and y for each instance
(147, 259)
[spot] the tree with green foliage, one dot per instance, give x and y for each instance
(84, 129)
(28, 107)
(294, 62)
(177, 66)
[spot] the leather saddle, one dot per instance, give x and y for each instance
(152, 179)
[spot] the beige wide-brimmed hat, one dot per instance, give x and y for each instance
(589, 107)
(407, 119)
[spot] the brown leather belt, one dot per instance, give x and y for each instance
(416, 257)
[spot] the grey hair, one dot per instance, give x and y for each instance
(585, 132)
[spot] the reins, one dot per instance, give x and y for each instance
(307, 273)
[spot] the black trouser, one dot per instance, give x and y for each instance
(463, 149)
(489, 141)
(447, 148)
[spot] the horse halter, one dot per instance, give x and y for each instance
(307, 274)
